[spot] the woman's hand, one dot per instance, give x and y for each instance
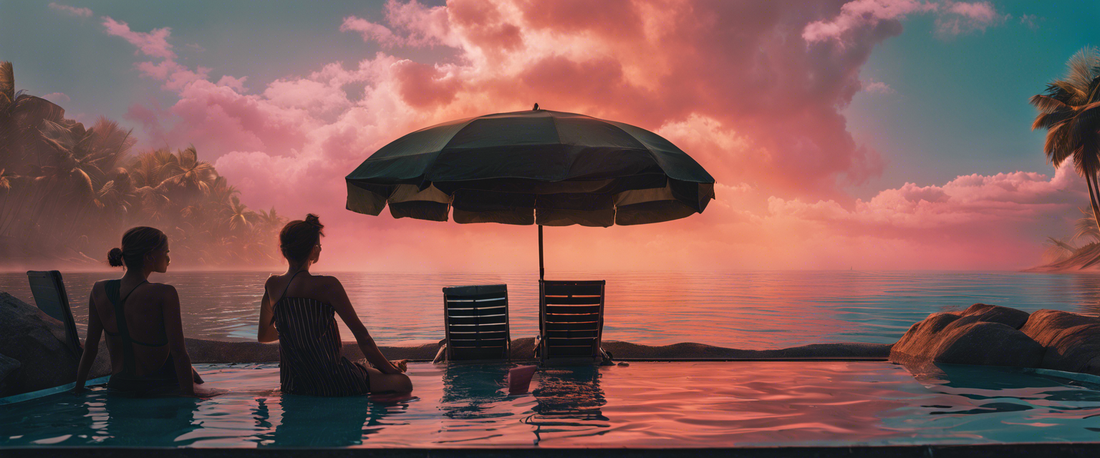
(401, 364)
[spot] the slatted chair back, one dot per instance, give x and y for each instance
(476, 322)
(570, 321)
(50, 297)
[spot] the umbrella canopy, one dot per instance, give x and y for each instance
(532, 167)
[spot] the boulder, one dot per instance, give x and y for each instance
(1072, 341)
(7, 367)
(34, 340)
(982, 335)
(994, 313)
(987, 343)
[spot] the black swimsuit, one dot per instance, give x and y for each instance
(160, 381)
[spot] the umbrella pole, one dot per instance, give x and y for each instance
(542, 270)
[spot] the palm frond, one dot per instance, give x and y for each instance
(1082, 68)
(7, 85)
(1047, 104)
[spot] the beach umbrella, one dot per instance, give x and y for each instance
(532, 167)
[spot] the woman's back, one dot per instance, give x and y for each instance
(310, 360)
(143, 312)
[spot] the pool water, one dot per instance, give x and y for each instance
(644, 404)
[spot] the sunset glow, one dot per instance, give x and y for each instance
(869, 134)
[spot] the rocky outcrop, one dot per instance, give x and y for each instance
(34, 341)
(1072, 341)
(1001, 336)
(982, 334)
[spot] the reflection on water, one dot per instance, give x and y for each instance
(569, 402)
(1003, 404)
(131, 421)
(467, 388)
(348, 421)
(753, 310)
(642, 405)
(111, 419)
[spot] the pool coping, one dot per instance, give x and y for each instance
(997, 450)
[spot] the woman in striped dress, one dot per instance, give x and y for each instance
(299, 310)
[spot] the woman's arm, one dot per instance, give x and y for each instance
(173, 326)
(91, 345)
(339, 300)
(266, 331)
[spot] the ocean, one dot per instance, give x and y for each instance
(747, 310)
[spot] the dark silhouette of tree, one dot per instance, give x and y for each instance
(67, 192)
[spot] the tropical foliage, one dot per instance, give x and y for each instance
(69, 192)
(1069, 110)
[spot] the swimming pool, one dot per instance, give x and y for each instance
(643, 405)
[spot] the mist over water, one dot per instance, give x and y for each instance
(750, 310)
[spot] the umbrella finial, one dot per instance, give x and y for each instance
(536, 107)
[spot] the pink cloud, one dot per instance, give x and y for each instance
(967, 200)
(152, 44)
(57, 97)
(877, 87)
(860, 14)
(79, 12)
(952, 18)
(960, 18)
(422, 26)
(732, 83)
(174, 75)
(236, 83)
(1030, 21)
(370, 31)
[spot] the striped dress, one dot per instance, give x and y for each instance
(309, 351)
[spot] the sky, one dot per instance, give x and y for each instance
(863, 134)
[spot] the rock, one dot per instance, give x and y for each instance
(997, 314)
(1072, 341)
(7, 367)
(987, 343)
(31, 337)
(982, 335)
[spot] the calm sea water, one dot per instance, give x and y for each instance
(750, 310)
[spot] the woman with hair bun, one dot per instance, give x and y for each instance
(142, 323)
(298, 309)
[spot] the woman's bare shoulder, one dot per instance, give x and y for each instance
(162, 289)
(327, 281)
(326, 287)
(99, 288)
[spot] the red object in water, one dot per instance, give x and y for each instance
(519, 379)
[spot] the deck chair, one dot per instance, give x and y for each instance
(571, 323)
(50, 297)
(476, 322)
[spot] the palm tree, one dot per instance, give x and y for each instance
(192, 175)
(1058, 250)
(271, 219)
(6, 179)
(1086, 228)
(1069, 110)
(239, 214)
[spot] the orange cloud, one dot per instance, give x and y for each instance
(753, 90)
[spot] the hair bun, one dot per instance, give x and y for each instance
(314, 221)
(114, 257)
